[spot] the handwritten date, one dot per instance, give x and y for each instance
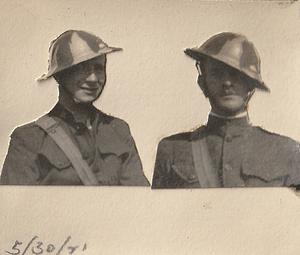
(37, 247)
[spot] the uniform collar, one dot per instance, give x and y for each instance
(228, 126)
(61, 112)
(240, 115)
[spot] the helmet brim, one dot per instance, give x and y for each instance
(84, 58)
(200, 56)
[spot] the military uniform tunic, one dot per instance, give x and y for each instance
(239, 154)
(106, 145)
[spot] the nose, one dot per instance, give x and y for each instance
(92, 77)
(227, 84)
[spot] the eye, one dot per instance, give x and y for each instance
(79, 68)
(99, 67)
(217, 71)
(214, 72)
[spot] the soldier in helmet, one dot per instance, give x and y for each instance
(228, 151)
(75, 143)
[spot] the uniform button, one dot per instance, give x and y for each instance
(60, 164)
(227, 167)
(96, 170)
(192, 177)
(228, 138)
(85, 155)
(52, 131)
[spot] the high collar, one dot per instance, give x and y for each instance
(223, 126)
(240, 115)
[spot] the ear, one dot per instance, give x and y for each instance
(202, 84)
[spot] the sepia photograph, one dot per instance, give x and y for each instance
(75, 143)
(228, 151)
(149, 127)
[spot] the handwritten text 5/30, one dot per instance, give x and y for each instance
(37, 247)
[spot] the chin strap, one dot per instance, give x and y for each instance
(250, 94)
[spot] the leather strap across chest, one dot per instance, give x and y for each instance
(64, 142)
(204, 168)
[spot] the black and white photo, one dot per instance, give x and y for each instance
(228, 151)
(75, 143)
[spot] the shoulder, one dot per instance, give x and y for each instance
(180, 141)
(119, 126)
(271, 155)
(279, 149)
(30, 135)
(176, 138)
(184, 137)
(273, 139)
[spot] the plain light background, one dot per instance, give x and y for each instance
(152, 85)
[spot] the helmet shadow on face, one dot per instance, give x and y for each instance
(228, 90)
(84, 78)
(234, 50)
(215, 75)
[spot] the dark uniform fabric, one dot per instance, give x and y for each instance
(241, 155)
(107, 146)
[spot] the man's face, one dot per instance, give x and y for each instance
(86, 80)
(228, 89)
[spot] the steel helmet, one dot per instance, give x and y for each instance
(73, 47)
(234, 50)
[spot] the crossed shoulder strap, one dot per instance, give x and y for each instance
(204, 168)
(64, 142)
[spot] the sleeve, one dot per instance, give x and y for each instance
(20, 163)
(162, 166)
(294, 174)
(132, 171)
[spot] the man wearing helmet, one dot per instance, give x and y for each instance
(75, 143)
(228, 151)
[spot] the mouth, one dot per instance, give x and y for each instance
(228, 93)
(229, 96)
(90, 91)
(91, 86)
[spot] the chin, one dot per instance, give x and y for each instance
(85, 100)
(231, 111)
(231, 108)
